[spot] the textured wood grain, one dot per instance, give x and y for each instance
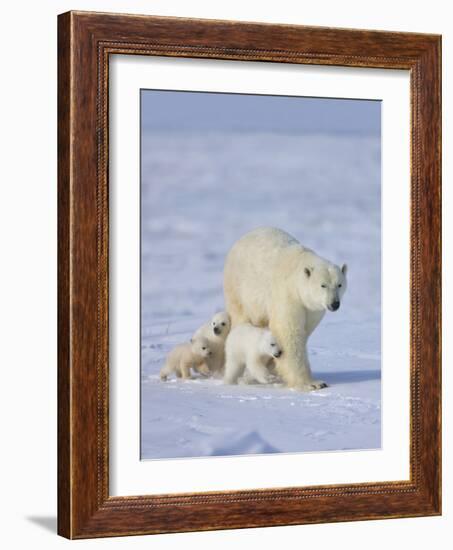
(85, 42)
(64, 344)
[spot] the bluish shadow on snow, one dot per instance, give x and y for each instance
(241, 444)
(349, 377)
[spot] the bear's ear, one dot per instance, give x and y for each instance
(344, 269)
(307, 272)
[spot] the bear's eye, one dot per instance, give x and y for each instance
(203, 348)
(324, 286)
(272, 345)
(223, 324)
(340, 285)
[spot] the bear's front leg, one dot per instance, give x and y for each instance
(185, 371)
(313, 384)
(293, 366)
(203, 369)
(258, 372)
(216, 362)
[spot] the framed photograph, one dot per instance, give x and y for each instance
(249, 275)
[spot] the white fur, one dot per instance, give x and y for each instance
(182, 358)
(249, 350)
(271, 280)
(216, 332)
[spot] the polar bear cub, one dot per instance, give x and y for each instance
(216, 332)
(250, 350)
(182, 358)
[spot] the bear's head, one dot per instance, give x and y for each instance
(221, 324)
(322, 286)
(200, 346)
(268, 345)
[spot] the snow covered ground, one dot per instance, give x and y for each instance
(201, 192)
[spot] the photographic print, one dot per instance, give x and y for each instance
(260, 274)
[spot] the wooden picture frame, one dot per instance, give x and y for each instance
(85, 42)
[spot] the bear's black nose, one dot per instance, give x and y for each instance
(335, 305)
(217, 330)
(277, 354)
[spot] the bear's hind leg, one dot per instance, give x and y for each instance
(235, 310)
(233, 371)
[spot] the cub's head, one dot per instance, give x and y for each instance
(323, 286)
(200, 346)
(221, 324)
(268, 345)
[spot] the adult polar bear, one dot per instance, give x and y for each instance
(271, 280)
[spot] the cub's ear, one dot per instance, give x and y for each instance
(344, 269)
(307, 272)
